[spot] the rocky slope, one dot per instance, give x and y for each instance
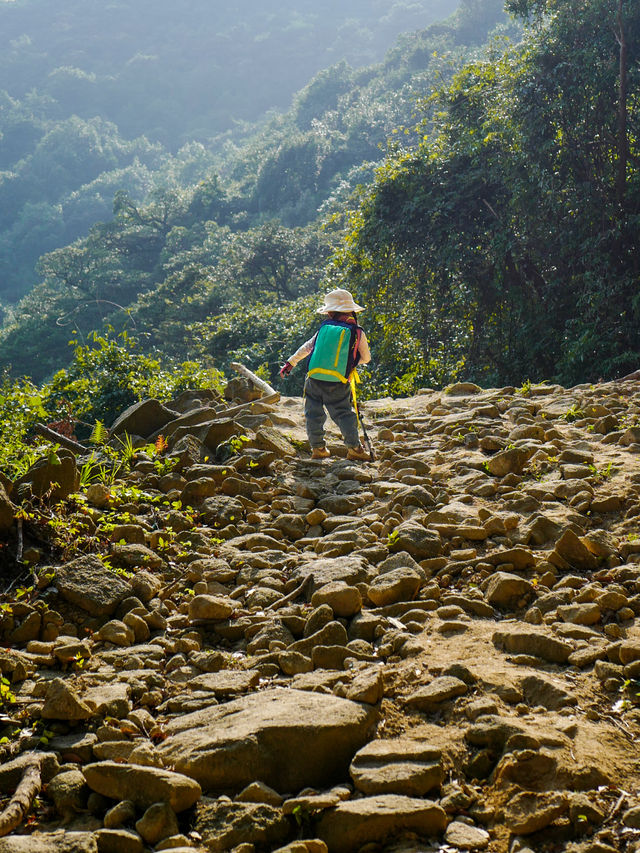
(234, 647)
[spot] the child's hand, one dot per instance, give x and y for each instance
(286, 369)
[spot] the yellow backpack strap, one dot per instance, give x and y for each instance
(354, 380)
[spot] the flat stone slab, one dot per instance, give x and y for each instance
(227, 682)
(529, 641)
(351, 570)
(440, 690)
(355, 823)
(144, 786)
(405, 766)
(50, 842)
(288, 739)
(530, 811)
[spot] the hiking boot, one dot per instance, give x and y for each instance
(320, 453)
(358, 453)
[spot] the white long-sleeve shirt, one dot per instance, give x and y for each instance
(307, 347)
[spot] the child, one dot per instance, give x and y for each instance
(336, 349)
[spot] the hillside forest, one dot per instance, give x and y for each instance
(477, 188)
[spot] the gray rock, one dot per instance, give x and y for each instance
(397, 766)
(420, 542)
(61, 702)
(144, 786)
(572, 549)
(344, 600)
(143, 418)
(86, 583)
(510, 461)
(466, 837)
(400, 584)
(119, 841)
(210, 607)
(440, 690)
(159, 821)
(69, 793)
(541, 690)
(123, 812)
(331, 634)
(56, 475)
(400, 560)
(50, 842)
(532, 641)
(351, 570)
(355, 823)
(508, 590)
(529, 812)
(225, 826)
(136, 557)
(289, 739)
(587, 613)
(632, 817)
(220, 510)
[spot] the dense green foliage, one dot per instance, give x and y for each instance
(106, 375)
(98, 97)
(494, 238)
(507, 242)
(245, 242)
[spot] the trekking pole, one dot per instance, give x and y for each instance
(367, 441)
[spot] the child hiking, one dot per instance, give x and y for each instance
(338, 346)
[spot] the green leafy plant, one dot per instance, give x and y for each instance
(6, 695)
(573, 413)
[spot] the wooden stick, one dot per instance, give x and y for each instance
(69, 443)
(299, 590)
(21, 802)
(259, 383)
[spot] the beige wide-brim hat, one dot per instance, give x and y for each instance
(341, 301)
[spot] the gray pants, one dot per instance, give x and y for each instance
(336, 397)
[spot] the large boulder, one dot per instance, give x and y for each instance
(144, 418)
(55, 475)
(210, 433)
(288, 739)
(87, 584)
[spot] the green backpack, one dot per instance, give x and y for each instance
(333, 357)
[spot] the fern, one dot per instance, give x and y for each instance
(99, 434)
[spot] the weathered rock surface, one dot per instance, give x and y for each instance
(86, 583)
(443, 645)
(144, 786)
(355, 823)
(287, 739)
(55, 476)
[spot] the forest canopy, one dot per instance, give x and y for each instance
(130, 95)
(478, 190)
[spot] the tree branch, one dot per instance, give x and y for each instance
(21, 802)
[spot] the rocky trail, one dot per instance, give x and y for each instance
(234, 647)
